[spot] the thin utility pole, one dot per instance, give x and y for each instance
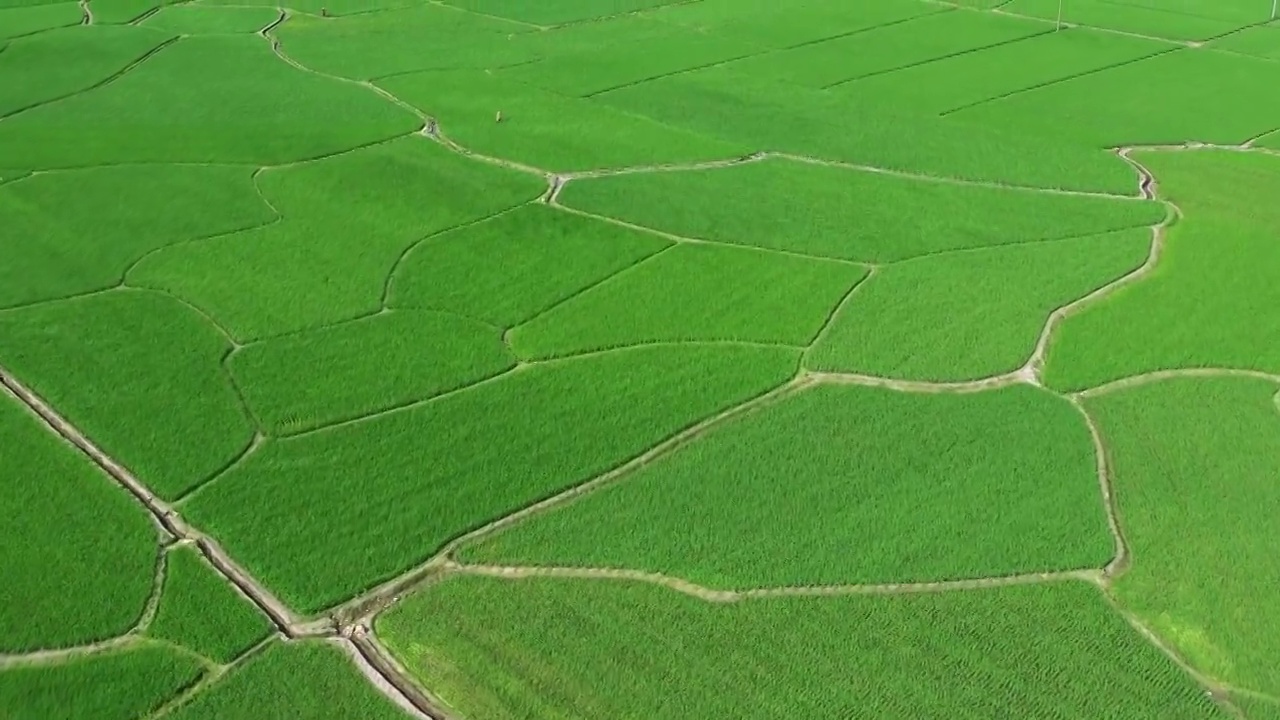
(1059, 26)
(1275, 7)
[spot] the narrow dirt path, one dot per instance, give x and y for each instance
(945, 180)
(1120, 560)
(727, 596)
(913, 386)
(1158, 375)
(284, 618)
(386, 674)
(40, 657)
(1034, 366)
(1216, 690)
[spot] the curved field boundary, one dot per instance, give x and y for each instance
(513, 572)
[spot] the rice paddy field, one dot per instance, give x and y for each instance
(614, 359)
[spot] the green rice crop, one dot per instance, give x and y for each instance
(403, 484)
(1256, 708)
(62, 62)
(79, 557)
(120, 12)
(881, 50)
(329, 261)
(844, 213)
(303, 679)
(545, 129)
(77, 231)
(547, 256)
(555, 12)
(1182, 96)
(139, 374)
(1211, 298)
(1195, 467)
(204, 20)
(499, 649)
(695, 292)
(202, 612)
(15, 22)
(839, 126)
(1158, 19)
(1242, 11)
(972, 314)
(780, 25)
(628, 61)
(117, 685)
(424, 37)
(893, 487)
(1262, 41)
(971, 78)
(284, 114)
(300, 382)
(332, 8)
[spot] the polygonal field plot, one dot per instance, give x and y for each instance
(969, 314)
(47, 66)
(80, 555)
(299, 382)
(403, 483)
(597, 648)
(512, 267)
(226, 98)
(326, 261)
(140, 373)
(1196, 467)
(80, 230)
(849, 214)
(695, 292)
(1210, 300)
(844, 484)
(117, 684)
(1189, 95)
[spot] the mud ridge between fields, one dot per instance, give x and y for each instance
(1120, 559)
(174, 527)
(727, 596)
(172, 523)
(164, 514)
(363, 608)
